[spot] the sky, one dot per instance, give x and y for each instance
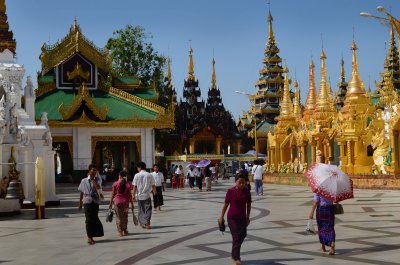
(233, 31)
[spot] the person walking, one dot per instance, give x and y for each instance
(238, 199)
(325, 222)
(89, 198)
(121, 196)
(257, 171)
(207, 177)
(191, 176)
(244, 171)
(143, 185)
(158, 199)
(199, 178)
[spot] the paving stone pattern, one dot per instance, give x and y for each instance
(186, 232)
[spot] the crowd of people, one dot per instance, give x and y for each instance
(144, 184)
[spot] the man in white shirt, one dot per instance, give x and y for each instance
(143, 184)
(158, 199)
(257, 171)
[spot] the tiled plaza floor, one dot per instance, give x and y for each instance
(185, 232)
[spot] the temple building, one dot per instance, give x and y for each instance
(266, 100)
(203, 127)
(91, 120)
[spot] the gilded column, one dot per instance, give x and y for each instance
(349, 153)
(303, 153)
(342, 154)
(238, 142)
(218, 145)
(313, 152)
(191, 145)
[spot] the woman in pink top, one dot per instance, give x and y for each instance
(238, 199)
(121, 196)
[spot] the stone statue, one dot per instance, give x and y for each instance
(13, 119)
(304, 168)
(296, 165)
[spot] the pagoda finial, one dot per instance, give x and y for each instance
(296, 104)
(356, 85)
(271, 36)
(169, 75)
(213, 77)
(312, 93)
(75, 23)
(191, 65)
(342, 75)
(286, 103)
(323, 87)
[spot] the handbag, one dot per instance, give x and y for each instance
(109, 215)
(337, 209)
(310, 228)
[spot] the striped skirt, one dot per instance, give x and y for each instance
(326, 224)
(121, 213)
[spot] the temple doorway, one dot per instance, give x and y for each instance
(114, 155)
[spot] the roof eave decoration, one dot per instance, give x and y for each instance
(74, 42)
(83, 96)
(134, 99)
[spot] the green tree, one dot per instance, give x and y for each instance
(133, 54)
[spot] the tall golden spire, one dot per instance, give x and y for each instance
(213, 77)
(169, 75)
(191, 66)
(286, 103)
(356, 85)
(296, 103)
(323, 86)
(312, 94)
(6, 36)
(271, 36)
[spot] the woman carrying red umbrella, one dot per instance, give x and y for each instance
(325, 221)
(330, 185)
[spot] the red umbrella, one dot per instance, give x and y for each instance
(330, 182)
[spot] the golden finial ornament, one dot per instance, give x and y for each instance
(169, 75)
(286, 103)
(296, 103)
(356, 85)
(271, 36)
(191, 65)
(312, 93)
(213, 76)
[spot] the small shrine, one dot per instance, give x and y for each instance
(93, 120)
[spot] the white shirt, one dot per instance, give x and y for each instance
(143, 182)
(178, 171)
(196, 172)
(158, 178)
(257, 171)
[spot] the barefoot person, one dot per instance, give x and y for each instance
(238, 199)
(143, 185)
(90, 196)
(121, 196)
(158, 199)
(325, 221)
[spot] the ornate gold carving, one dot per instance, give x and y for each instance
(74, 42)
(83, 96)
(44, 89)
(117, 138)
(134, 99)
(65, 139)
(78, 72)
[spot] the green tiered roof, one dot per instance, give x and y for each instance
(119, 109)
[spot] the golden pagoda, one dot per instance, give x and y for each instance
(354, 121)
(322, 118)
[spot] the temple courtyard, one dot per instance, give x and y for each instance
(186, 231)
